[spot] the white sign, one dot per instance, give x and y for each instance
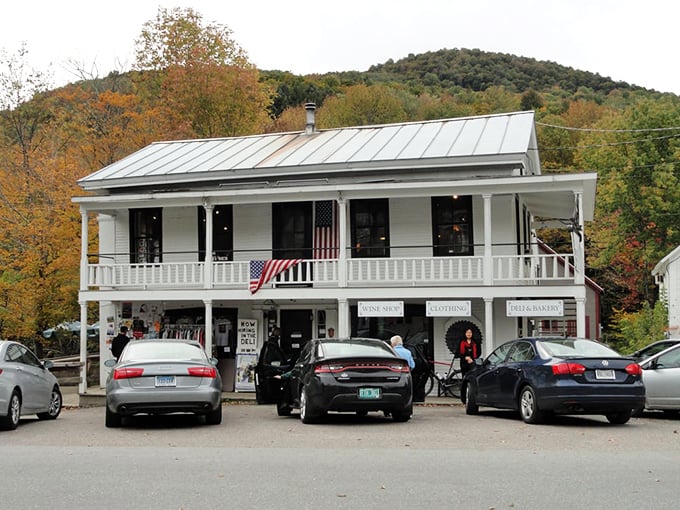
(381, 309)
(535, 308)
(246, 336)
(448, 308)
(245, 372)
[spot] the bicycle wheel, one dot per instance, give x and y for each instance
(429, 384)
(452, 387)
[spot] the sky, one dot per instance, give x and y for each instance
(625, 40)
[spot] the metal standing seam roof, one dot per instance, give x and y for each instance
(399, 144)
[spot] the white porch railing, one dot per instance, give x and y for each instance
(373, 272)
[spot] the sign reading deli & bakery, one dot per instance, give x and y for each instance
(535, 308)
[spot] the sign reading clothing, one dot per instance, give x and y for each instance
(380, 309)
(448, 309)
(535, 308)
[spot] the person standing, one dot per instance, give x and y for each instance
(398, 346)
(467, 350)
(119, 342)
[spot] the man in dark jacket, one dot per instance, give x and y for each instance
(119, 342)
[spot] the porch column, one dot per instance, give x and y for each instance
(83, 249)
(577, 241)
(342, 234)
(488, 252)
(488, 325)
(581, 317)
(344, 326)
(82, 385)
(208, 326)
(207, 274)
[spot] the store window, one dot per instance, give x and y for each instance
(146, 236)
(370, 228)
(292, 230)
(223, 236)
(452, 226)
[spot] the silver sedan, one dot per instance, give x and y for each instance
(661, 377)
(26, 386)
(161, 377)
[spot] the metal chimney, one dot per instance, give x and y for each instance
(310, 109)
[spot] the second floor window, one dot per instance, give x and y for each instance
(370, 228)
(292, 230)
(146, 236)
(223, 237)
(452, 226)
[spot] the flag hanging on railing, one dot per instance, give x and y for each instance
(261, 271)
(326, 235)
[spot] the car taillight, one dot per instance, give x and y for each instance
(210, 372)
(634, 369)
(339, 367)
(568, 369)
(127, 373)
(398, 367)
(328, 369)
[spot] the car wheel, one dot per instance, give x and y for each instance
(619, 418)
(362, 413)
(528, 407)
(402, 416)
(11, 421)
(113, 420)
(55, 406)
(637, 412)
(471, 406)
(283, 409)
(214, 417)
(307, 413)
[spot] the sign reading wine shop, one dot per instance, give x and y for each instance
(380, 309)
(535, 308)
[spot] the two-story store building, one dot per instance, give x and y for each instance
(421, 228)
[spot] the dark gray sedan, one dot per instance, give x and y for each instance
(26, 386)
(161, 377)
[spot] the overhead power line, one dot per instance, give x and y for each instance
(593, 130)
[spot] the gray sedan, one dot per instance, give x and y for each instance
(26, 386)
(161, 377)
(661, 377)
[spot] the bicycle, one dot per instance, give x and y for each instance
(448, 384)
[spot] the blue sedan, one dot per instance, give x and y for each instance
(543, 376)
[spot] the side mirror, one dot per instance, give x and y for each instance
(213, 361)
(110, 362)
(48, 364)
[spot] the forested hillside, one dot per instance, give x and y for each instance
(206, 87)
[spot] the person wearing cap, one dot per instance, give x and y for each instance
(119, 342)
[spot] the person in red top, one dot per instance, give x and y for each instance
(467, 351)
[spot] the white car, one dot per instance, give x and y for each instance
(26, 386)
(661, 377)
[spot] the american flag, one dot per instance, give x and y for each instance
(261, 271)
(326, 235)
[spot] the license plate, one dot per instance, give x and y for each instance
(605, 374)
(165, 380)
(369, 393)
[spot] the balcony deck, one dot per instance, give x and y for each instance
(366, 272)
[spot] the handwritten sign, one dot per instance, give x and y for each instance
(246, 336)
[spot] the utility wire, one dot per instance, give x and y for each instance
(567, 128)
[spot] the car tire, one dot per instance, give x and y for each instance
(637, 412)
(619, 418)
(113, 420)
(283, 409)
(11, 421)
(214, 417)
(471, 406)
(362, 413)
(307, 413)
(54, 408)
(671, 413)
(528, 407)
(402, 416)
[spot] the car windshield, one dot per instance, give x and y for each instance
(153, 351)
(353, 348)
(566, 347)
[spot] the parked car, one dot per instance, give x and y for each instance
(543, 376)
(26, 386)
(160, 377)
(74, 329)
(661, 376)
(654, 348)
(358, 375)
